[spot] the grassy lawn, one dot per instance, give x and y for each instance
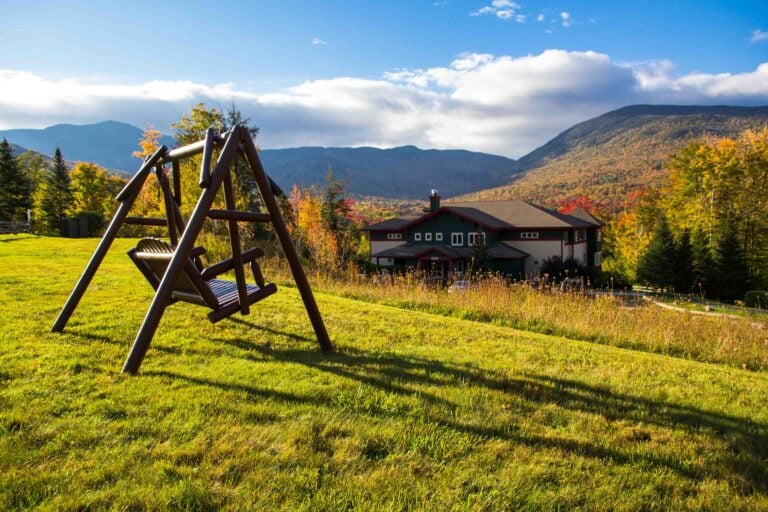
(415, 411)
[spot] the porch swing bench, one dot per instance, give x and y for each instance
(198, 285)
(175, 270)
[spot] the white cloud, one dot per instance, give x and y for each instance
(566, 17)
(502, 9)
(540, 17)
(758, 36)
(317, 41)
(498, 104)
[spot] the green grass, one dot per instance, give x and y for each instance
(415, 411)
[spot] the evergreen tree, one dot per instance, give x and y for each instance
(56, 196)
(334, 208)
(703, 268)
(657, 265)
(731, 263)
(684, 263)
(14, 187)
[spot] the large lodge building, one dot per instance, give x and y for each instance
(516, 236)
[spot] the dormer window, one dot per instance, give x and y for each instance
(427, 237)
(417, 237)
(457, 239)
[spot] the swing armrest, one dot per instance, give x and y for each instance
(229, 263)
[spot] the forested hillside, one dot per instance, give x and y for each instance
(624, 150)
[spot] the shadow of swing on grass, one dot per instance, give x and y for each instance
(745, 442)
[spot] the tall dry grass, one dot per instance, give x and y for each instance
(602, 319)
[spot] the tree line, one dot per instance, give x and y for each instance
(706, 229)
(52, 192)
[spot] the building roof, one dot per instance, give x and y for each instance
(498, 215)
(521, 214)
(504, 251)
(581, 213)
(394, 224)
(501, 251)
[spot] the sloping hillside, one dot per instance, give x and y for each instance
(414, 412)
(620, 151)
(17, 150)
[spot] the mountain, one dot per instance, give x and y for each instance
(109, 143)
(16, 149)
(623, 150)
(402, 172)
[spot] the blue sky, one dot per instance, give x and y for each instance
(492, 75)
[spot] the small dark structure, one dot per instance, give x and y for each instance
(175, 270)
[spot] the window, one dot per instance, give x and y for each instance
(394, 236)
(598, 258)
(417, 237)
(581, 235)
(457, 239)
(428, 237)
(475, 239)
(529, 235)
(439, 237)
(599, 235)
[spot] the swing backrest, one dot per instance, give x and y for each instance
(153, 256)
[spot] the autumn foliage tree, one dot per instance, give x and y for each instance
(93, 191)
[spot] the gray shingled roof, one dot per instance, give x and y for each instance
(514, 214)
(501, 251)
(583, 214)
(414, 251)
(520, 214)
(394, 224)
(504, 251)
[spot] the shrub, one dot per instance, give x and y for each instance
(756, 299)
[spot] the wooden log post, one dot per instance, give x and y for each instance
(234, 241)
(181, 255)
(126, 197)
(302, 283)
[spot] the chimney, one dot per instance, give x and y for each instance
(434, 200)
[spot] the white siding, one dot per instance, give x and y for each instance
(580, 253)
(539, 250)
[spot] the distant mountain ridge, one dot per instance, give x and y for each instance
(622, 150)
(402, 172)
(603, 158)
(109, 143)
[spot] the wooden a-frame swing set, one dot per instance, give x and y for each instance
(175, 270)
